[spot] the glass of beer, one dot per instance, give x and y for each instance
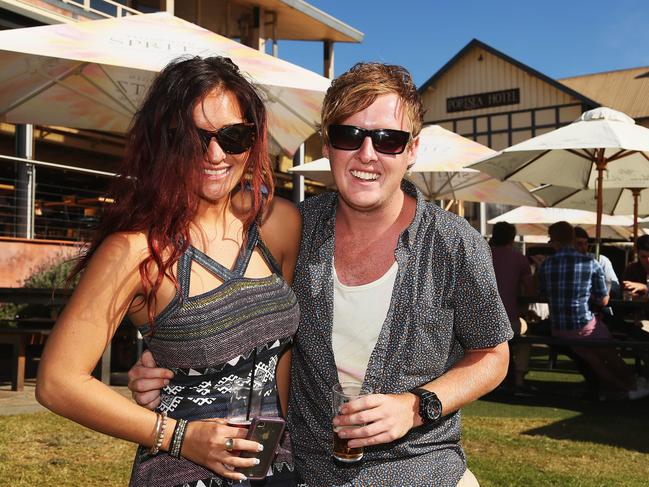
(245, 401)
(342, 393)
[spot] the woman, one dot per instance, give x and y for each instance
(193, 251)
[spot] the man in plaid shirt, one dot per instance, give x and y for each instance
(571, 281)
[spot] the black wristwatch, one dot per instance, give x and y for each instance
(430, 407)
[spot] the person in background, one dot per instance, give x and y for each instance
(200, 257)
(581, 245)
(571, 280)
(635, 274)
(514, 278)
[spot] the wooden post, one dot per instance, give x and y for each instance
(329, 59)
(636, 194)
(258, 37)
(167, 6)
(274, 30)
(18, 372)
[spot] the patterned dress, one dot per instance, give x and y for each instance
(209, 341)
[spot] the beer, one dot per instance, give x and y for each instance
(342, 452)
(343, 393)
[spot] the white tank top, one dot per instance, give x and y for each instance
(359, 313)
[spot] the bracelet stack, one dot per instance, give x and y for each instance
(177, 438)
(160, 425)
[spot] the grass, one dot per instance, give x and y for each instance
(552, 438)
(45, 449)
(556, 437)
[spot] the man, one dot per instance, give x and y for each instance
(581, 245)
(429, 329)
(514, 278)
(570, 280)
(635, 274)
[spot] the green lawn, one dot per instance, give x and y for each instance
(552, 438)
(555, 437)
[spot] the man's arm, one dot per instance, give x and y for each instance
(481, 329)
(390, 416)
(599, 291)
(636, 288)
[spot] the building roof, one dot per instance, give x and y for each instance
(296, 19)
(300, 21)
(626, 90)
(533, 72)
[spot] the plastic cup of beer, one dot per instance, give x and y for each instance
(245, 401)
(342, 393)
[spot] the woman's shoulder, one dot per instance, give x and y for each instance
(281, 229)
(124, 246)
(281, 214)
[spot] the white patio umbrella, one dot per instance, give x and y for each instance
(602, 149)
(318, 170)
(615, 201)
(440, 173)
(93, 75)
(536, 220)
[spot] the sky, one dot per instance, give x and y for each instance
(558, 38)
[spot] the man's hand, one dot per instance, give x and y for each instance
(636, 288)
(387, 417)
(145, 381)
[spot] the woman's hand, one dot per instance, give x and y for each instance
(205, 444)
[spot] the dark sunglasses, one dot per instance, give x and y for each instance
(233, 139)
(385, 141)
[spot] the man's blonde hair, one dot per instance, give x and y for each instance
(359, 87)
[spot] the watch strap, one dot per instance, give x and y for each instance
(425, 397)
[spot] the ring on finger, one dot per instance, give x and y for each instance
(229, 444)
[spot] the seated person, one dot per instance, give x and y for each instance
(513, 276)
(581, 245)
(570, 279)
(635, 274)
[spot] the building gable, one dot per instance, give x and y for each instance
(484, 94)
(480, 69)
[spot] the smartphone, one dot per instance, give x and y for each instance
(267, 431)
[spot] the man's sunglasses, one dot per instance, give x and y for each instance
(385, 141)
(233, 139)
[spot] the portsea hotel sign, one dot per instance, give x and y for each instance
(483, 100)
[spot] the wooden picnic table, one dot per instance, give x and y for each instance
(626, 329)
(21, 332)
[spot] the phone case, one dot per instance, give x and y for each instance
(267, 431)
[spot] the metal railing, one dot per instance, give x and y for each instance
(66, 202)
(103, 8)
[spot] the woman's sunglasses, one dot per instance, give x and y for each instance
(233, 139)
(385, 141)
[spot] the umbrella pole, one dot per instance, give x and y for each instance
(601, 166)
(636, 194)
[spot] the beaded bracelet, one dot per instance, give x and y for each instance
(160, 425)
(177, 438)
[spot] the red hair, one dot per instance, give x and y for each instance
(156, 191)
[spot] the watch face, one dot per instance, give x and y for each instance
(433, 408)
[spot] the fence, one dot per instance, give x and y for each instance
(44, 200)
(103, 8)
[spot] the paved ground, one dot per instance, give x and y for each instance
(12, 402)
